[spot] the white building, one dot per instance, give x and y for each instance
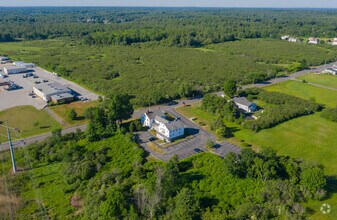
(334, 42)
(2, 58)
(14, 70)
(166, 130)
(147, 119)
(286, 37)
(332, 70)
(244, 104)
(293, 39)
(46, 90)
(313, 40)
(23, 64)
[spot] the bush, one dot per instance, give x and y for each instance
(330, 114)
(72, 115)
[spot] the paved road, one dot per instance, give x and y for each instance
(225, 146)
(317, 69)
(185, 148)
(30, 140)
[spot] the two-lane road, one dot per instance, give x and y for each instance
(33, 139)
(138, 112)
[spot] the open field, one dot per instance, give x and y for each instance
(306, 91)
(309, 137)
(141, 66)
(202, 118)
(28, 120)
(79, 107)
(321, 79)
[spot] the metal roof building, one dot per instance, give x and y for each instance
(46, 90)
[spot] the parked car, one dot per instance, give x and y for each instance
(37, 82)
(45, 80)
(3, 76)
(197, 150)
(30, 93)
(35, 76)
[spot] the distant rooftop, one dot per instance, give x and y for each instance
(62, 96)
(52, 88)
(242, 101)
(153, 114)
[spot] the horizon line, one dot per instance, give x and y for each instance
(210, 7)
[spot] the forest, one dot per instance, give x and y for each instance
(169, 26)
(165, 49)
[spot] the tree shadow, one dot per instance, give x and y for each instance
(331, 186)
(187, 178)
(185, 165)
(208, 201)
(191, 131)
(44, 127)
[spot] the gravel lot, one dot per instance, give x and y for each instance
(9, 99)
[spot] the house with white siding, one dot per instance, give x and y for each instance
(166, 130)
(334, 42)
(244, 104)
(313, 40)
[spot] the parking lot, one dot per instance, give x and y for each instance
(19, 97)
(186, 148)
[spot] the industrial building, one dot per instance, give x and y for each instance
(46, 90)
(14, 70)
(2, 58)
(23, 64)
(62, 98)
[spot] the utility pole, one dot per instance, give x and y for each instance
(11, 148)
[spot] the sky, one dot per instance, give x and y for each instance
(178, 3)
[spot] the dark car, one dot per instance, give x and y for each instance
(197, 150)
(37, 82)
(152, 138)
(45, 80)
(35, 76)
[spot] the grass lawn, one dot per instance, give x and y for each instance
(308, 137)
(201, 117)
(28, 120)
(311, 138)
(305, 91)
(321, 79)
(79, 107)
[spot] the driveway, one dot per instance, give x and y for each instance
(185, 148)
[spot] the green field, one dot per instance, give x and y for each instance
(309, 137)
(305, 91)
(151, 72)
(321, 79)
(79, 107)
(28, 120)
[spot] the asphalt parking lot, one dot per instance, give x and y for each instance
(185, 148)
(19, 97)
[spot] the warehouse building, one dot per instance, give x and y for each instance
(46, 90)
(2, 58)
(14, 70)
(23, 64)
(62, 98)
